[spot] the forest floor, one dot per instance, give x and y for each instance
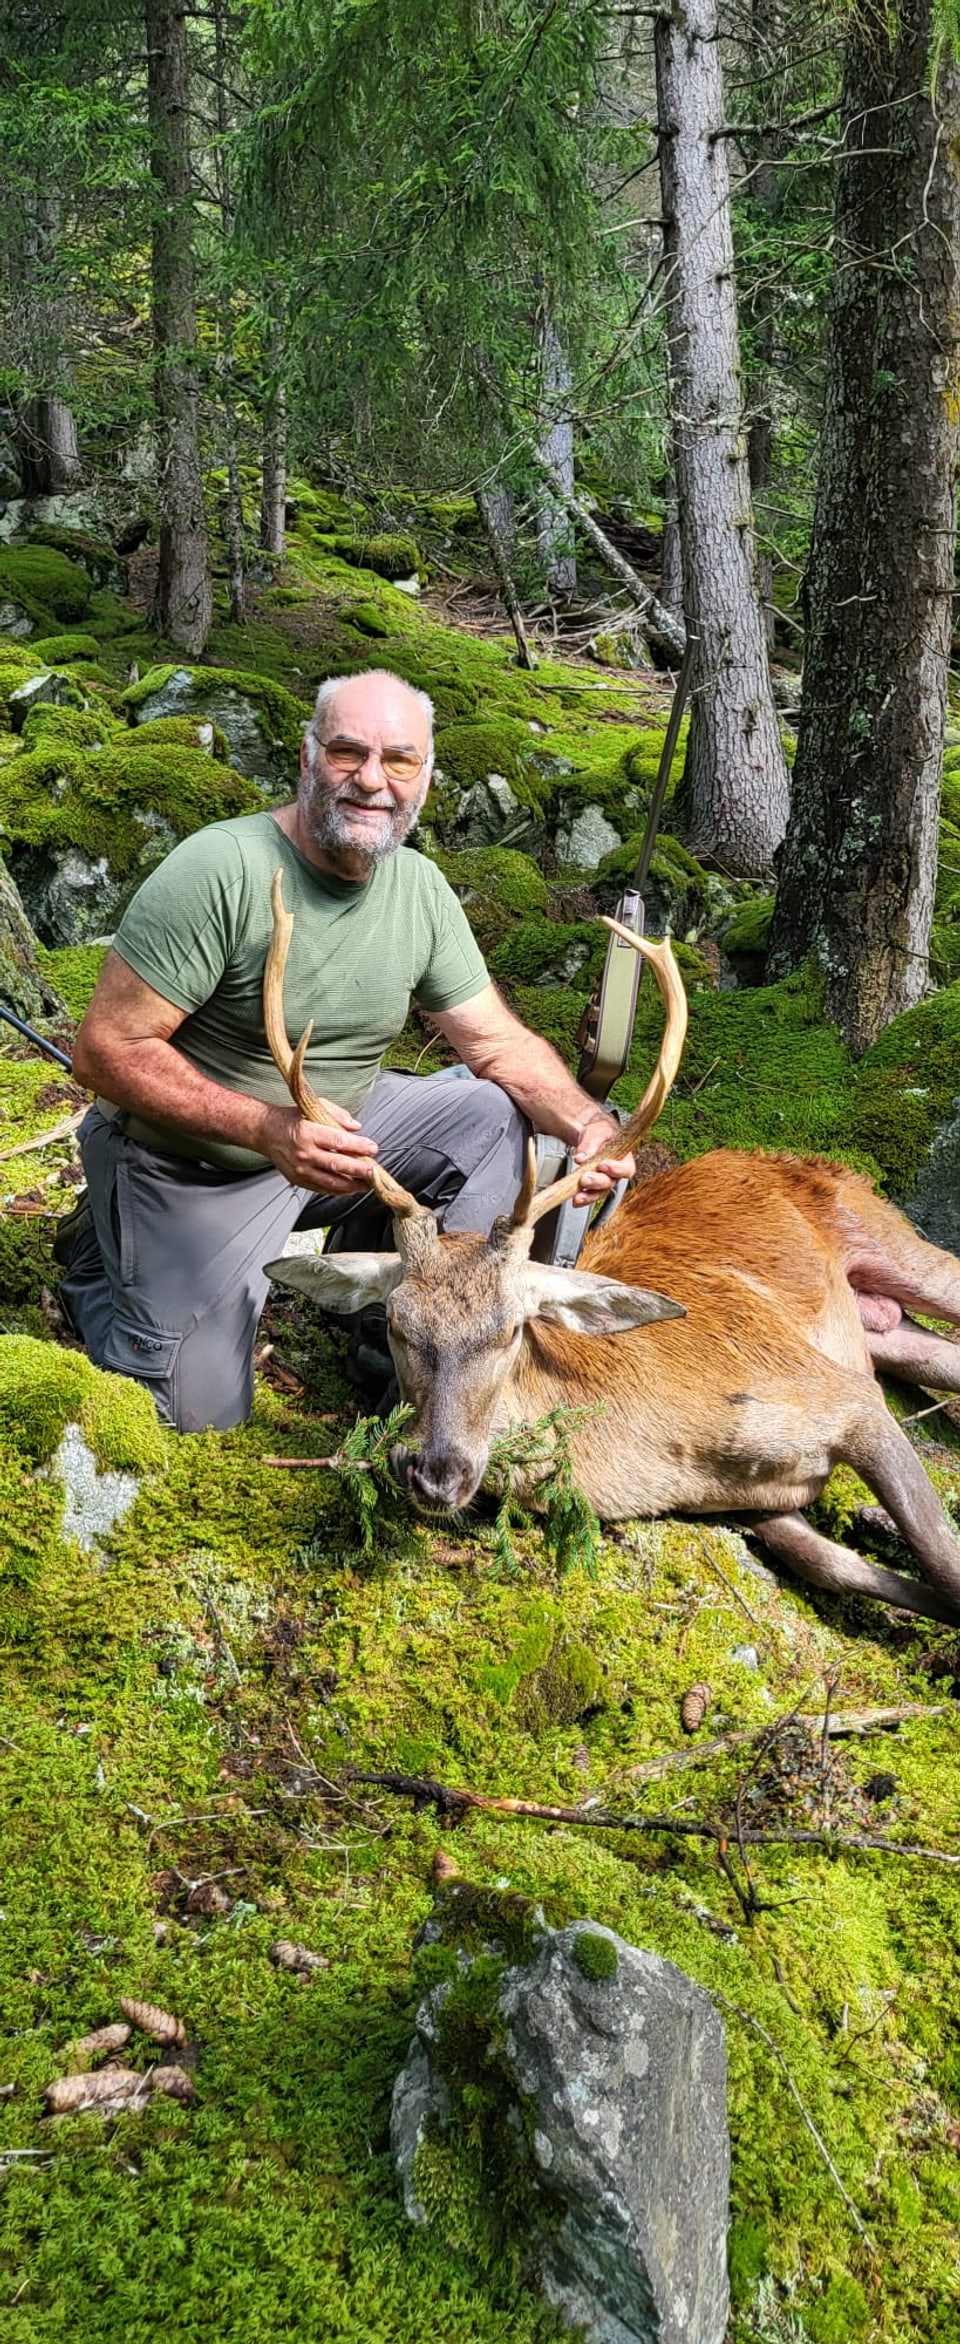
(189, 1705)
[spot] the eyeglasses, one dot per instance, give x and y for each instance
(348, 757)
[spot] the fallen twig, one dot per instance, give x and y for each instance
(334, 1464)
(45, 1139)
(456, 1801)
(841, 1722)
(817, 2137)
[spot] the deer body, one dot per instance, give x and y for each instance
(725, 1323)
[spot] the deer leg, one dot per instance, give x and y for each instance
(911, 1351)
(878, 1450)
(793, 1541)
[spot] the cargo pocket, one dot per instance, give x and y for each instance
(150, 1358)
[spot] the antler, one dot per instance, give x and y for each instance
(530, 1208)
(291, 1062)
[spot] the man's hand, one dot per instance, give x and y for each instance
(333, 1157)
(595, 1133)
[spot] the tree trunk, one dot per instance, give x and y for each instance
(47, 445)
(184, 601)
(487, 511)
(859, 863)
(233, 509)
(557, 557)
(734, 792)
(273, 487)
(23, 985)
(671, 553)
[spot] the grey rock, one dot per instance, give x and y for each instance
(485, 812)
(585, 841)
(59, 691)
(93, 1501)
(420, 2101)
(935, 1203)
(14, 620)
(253, 751)
(747, 1656)
(618, 2085)
(69, 897)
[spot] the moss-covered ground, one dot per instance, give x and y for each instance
(186, 1707)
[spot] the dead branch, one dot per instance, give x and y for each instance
(454, 1802)
(842, 1722)
(45, 1139)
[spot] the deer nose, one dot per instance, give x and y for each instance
(446, 1480)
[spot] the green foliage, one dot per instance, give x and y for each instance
(74, 970)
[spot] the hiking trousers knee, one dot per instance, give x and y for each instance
(166, 1283)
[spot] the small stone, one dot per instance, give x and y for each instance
(746, 1655)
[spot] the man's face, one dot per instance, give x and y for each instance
(368, 780)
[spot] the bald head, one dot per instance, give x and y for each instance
(365, 769)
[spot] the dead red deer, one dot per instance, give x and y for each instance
(788, 1282)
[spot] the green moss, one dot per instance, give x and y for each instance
(49, 726)
(365, 618)
(596, 1958)
(127, 805)
(906, 1087)
(510, 877)
(467, 753)
(74, 969)
(54, 650)
(389, 556)
(183, 731)
(536, 949)
(749, 929)
(94, 555)
(42, 1389)
(48, 585)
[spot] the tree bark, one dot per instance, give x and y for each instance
(859, 863)
(557, 557)
(233, 510)
(23, 985)
(489, 522)
(273, 484)
(47, 445)
(183, 608)
(734, 793)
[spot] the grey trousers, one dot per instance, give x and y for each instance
(167, 1285)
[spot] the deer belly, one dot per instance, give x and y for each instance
(752, 1452)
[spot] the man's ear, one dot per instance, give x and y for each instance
(339, 1281)
(590, 1305)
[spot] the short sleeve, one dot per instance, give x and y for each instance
(456, 970)
(178, 933)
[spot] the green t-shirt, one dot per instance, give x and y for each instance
(198, 929)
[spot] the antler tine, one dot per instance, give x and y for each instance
(291, 1062)
(670, 987)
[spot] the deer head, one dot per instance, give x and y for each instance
(458, 1307)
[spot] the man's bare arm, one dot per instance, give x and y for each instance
(124, 1050)
(495, 1045)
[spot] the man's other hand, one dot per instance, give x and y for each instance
(597, 1132)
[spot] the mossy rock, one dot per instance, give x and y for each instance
(906, 1089)
(51, 727)
(62, 650)
(262, 722)
(48, 585)
(184, 732)
(43, 1389)
(94, 555)
(366, 618)
(469, 753)
(389, 554)
(501, 871)
(680, 895)
(86, 825)
(539, 951)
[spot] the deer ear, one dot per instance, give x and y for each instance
(339, 1281)
(590, 1305)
